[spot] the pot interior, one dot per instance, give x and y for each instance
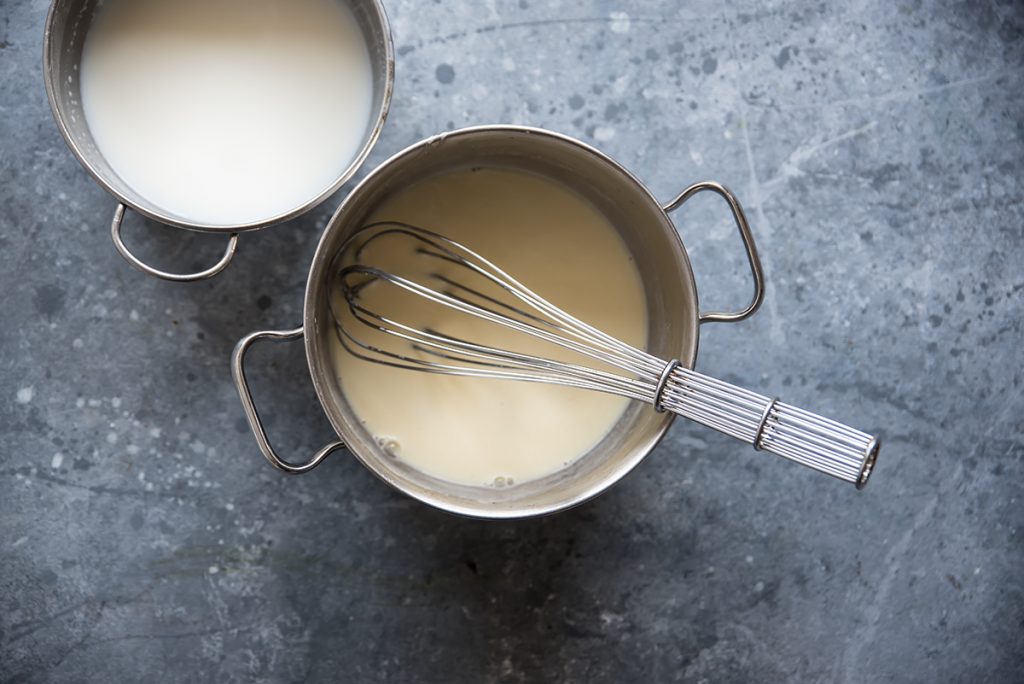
(66, 28)
(647, 233)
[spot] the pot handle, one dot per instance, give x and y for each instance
(748, 244)
(238, 374)
(115, 234)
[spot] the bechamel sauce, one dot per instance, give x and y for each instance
(227, 111)
(485, 431)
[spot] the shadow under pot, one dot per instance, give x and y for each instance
(219, 117)
(664, 281)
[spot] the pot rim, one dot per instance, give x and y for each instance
(177, 222)
(316, 278)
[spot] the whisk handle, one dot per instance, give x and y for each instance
(770, 425)
(818, 442)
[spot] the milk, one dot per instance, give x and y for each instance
(485, 431)
(227, 111)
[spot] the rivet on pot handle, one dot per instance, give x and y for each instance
(115, 234)
(748, 244)
(238, 373)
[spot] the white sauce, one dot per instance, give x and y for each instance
(485, 431)
(227, 111)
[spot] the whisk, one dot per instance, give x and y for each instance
(621, 369)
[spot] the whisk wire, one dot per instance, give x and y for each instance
(451, 348)
(458, 254)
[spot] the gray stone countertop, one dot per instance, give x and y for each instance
(878, 148)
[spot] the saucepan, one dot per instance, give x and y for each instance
(67, 25)
(648, 233)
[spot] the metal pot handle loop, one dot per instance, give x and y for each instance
(748, 244)
(238, 374)
(115, 234)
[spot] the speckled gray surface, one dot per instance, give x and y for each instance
(878, 147)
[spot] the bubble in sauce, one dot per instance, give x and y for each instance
(388, 444)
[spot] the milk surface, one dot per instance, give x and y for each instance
(227, 111)
(486, 431)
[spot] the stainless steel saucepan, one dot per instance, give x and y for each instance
(67, 25)
(649, 234)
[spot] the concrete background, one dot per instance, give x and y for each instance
(878, 148)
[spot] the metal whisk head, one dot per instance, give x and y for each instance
(439, 272)
(487, 293)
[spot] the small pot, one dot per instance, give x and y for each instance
(68, 23)
(648, 233)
